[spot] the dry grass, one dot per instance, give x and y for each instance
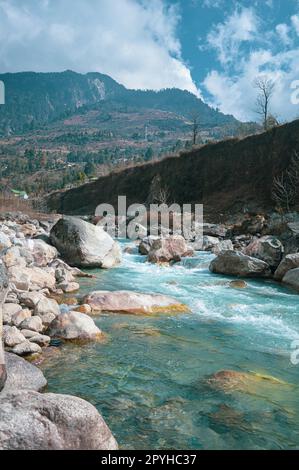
(29, 207)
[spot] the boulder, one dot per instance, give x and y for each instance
(133, 303)
(208, 242)
(33, 323)
(170, 249)
(214, 230)
(268, 249)
(289, 262)
(12, 336)
(74, 326)
(291, 278)
(235, 263)
(13, 258)
(26, 348)
(84, 308)
(41, 340)
(224, 245)
(42, 253)
(31, 278)
(9, 310)
(68, 287)
(4, 241)
(21, 375)
(146, 244)
(20, 316)
(45, 421)
(84, 245)
(45, 308)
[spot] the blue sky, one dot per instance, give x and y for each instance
(214, 48)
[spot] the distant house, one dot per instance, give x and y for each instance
(20, 194)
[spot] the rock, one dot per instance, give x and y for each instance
(288, 263)
(214, 230)
(20, 316)
(235, 263)
(238, 284)
(248, 382)
(43, 254)
(84, 245)
(41, 340)
(208, 242)
(13, 258)
(165, 250)
(224, 245)
(21, 375)
(8, 311)
(12, 336)
(291, 278)
(68, 287)
(251, 225)
(268, 249)
(146, 244)
(31, 278)
(28, 229)
(84, 308)
(45, 308)
(33, 323)
(28, 333)
(74, 326)
(45, 421)
(26, 348)
(4, 241)
(133, 303)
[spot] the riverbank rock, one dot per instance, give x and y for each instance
(289, 262)
(146, 244)
(42, 253)
(235, 263)
(21, 375)
(26, 348)
(223, 245)
(165, 250)
(34, 421)
(12, 336)
(133, 303)
(84, 245)
(74, 326)
(32, 278)
(291, 278)
(268, 249)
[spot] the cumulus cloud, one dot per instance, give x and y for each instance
(134, 41)
(227, 37)
(231, 87)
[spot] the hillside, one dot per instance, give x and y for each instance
(226, 176)
(38, 99)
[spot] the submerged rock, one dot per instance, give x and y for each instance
(133, 303)
(84, 245)
(33, 421)
(235, 263)
(238, 284)
(74, 326)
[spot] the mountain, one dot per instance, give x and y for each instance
(39, 99)
(227, 176)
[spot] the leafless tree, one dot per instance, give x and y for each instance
(285, 190)
(265, 88)
(158, 193)
(195, 126)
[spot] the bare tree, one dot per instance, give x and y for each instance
(285, 190)
(158, 193)
(265, 89)
(195, 126)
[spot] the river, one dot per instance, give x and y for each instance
(148, 377)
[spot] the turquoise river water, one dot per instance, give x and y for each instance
(148, 378)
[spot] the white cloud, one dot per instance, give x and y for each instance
(227, 37)
(134, 41)
(236, 94)
(283, 31)
(295, 23)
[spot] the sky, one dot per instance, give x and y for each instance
(213, 48)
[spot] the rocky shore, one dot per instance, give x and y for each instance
(41, 264)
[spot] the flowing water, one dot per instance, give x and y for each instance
(148, 378)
